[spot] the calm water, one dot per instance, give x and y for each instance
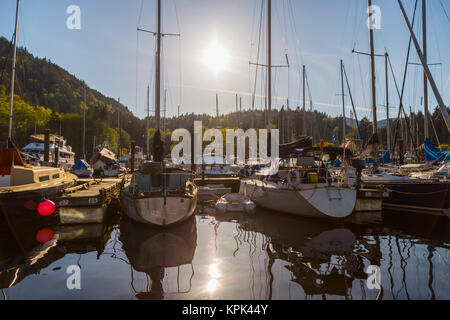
(230, 256)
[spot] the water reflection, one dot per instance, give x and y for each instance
(265, 255)
(152, 249)
(23, 253)
(319, 254)
(330, 259)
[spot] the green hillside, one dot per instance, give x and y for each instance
(47, 96)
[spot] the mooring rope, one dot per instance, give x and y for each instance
(417, 193)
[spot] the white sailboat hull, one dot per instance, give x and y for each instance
(153, 210)
(310, 200)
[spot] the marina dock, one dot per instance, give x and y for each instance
(88, 201)
(227, 182)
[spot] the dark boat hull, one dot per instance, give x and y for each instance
(420, 196)
(22, 205)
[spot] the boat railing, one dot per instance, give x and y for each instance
(170, 181)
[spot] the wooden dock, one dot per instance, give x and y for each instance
(89, 200)
(226, 182)
(211, 193)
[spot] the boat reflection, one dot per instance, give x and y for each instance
(151, 249)
(322, 256)
(27, 250)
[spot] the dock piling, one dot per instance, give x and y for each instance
(46, 145)
(132, 156)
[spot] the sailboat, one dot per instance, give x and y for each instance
(301, 189)
(23, 185)
(159, 194)
(413, 194)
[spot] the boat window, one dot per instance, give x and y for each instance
(177, 180)
(55, 176)
(44, 178)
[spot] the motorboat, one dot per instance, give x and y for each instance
(105, 164)
(81, 169)
(26, 186)
(235, 202)
(216, 167)
(60, 152)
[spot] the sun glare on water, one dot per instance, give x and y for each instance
(216, 57)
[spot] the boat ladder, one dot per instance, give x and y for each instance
(334, 194)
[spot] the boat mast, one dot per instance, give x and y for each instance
(425, 81)
(158, 70)
(269, 62)
(427, 71)
(343, 102)
(83, 155)
(118, 129)
(374, 101)
(304, 101)
(217, 108)
(388, 125)
(13, 74)
(148, 121)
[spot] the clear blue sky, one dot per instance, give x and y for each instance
(110, 55)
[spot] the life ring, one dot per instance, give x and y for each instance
(297, 180)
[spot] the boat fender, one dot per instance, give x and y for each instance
(190, 187)
(297, 180)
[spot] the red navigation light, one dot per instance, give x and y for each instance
(45, 235)
(46, 208)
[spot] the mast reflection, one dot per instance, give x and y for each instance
(151, 250)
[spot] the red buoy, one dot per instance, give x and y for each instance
(45, 235)
(46, 208)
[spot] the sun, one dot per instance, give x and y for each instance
(216, 57)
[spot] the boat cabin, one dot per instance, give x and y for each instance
(215, 166)
(27, 175)
(151, 180)
(35, 148)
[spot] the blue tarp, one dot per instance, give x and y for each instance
(433, 154)
(337, 163)
(386, 158)
(81, 164)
